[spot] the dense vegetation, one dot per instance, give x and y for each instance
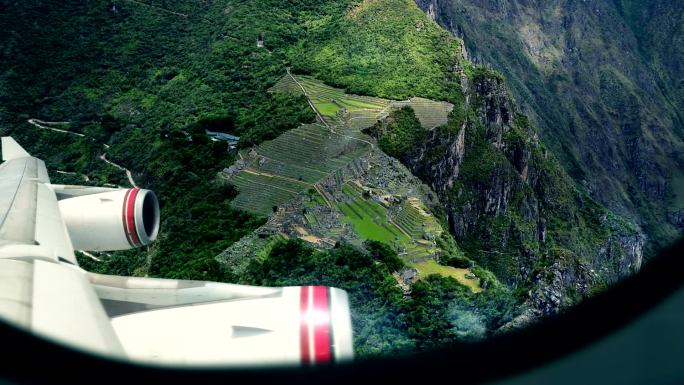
(148, 82)
(141, 78)
(398, 134)
(386, 48)
(439, 310)
(147, 78)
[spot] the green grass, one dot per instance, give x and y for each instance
(311, 219)
(315, 199)
(327, 109)
(329, 101)
(352, 103)
(367, 228)
(431, 267)
(372, 221)
(268, 246)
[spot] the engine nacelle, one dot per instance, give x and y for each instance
(115, 220)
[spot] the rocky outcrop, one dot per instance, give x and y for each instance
(601, 80)
(569, 279)
(513, 209)
(677, 219)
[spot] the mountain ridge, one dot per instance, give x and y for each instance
(148, 83)
(605, 93)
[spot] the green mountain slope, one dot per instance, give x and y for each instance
(603, 81)
(386, 48)
(146, 78)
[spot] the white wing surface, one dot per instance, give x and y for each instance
(42, 289)
(145, 319)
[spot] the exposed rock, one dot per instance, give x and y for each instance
(409, 275)
(514, 210)
(601, 80)
(677, 219)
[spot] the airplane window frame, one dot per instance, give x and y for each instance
(492, 359)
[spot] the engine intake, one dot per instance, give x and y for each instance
(115, 220)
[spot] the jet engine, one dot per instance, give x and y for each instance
(113, 220)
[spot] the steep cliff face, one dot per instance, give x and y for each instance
(511, 206)
(598, 79)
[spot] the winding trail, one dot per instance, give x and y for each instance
(84, 176)
(46, 126)
(91, 256)
(39, 124)
(128, 172)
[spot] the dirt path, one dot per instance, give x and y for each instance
(46, 126)
(308, 99)
(42, 124)
(84, 176)
(128, 172)
(87, 254)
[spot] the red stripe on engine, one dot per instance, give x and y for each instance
(123, 217)
(304, 325)
(130, 217)
(322, 350)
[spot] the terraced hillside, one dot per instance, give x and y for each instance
(414, 219)
(354, 112)
(346, 113)
(299, 160)
(277, 170)
(369, 218)
(430, 113)
(411, 230)
(378, 221)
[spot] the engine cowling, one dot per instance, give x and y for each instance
(115, 220)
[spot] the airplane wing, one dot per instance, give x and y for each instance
(41, 288)
(150, 320)
(224, 323)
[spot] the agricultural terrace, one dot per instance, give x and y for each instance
(352, 112)
(414, 219)
(371, 220)
(341, 111)
(430, 113)
(287, 85)
(278, 170)
(297, 160)
(405, 232)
